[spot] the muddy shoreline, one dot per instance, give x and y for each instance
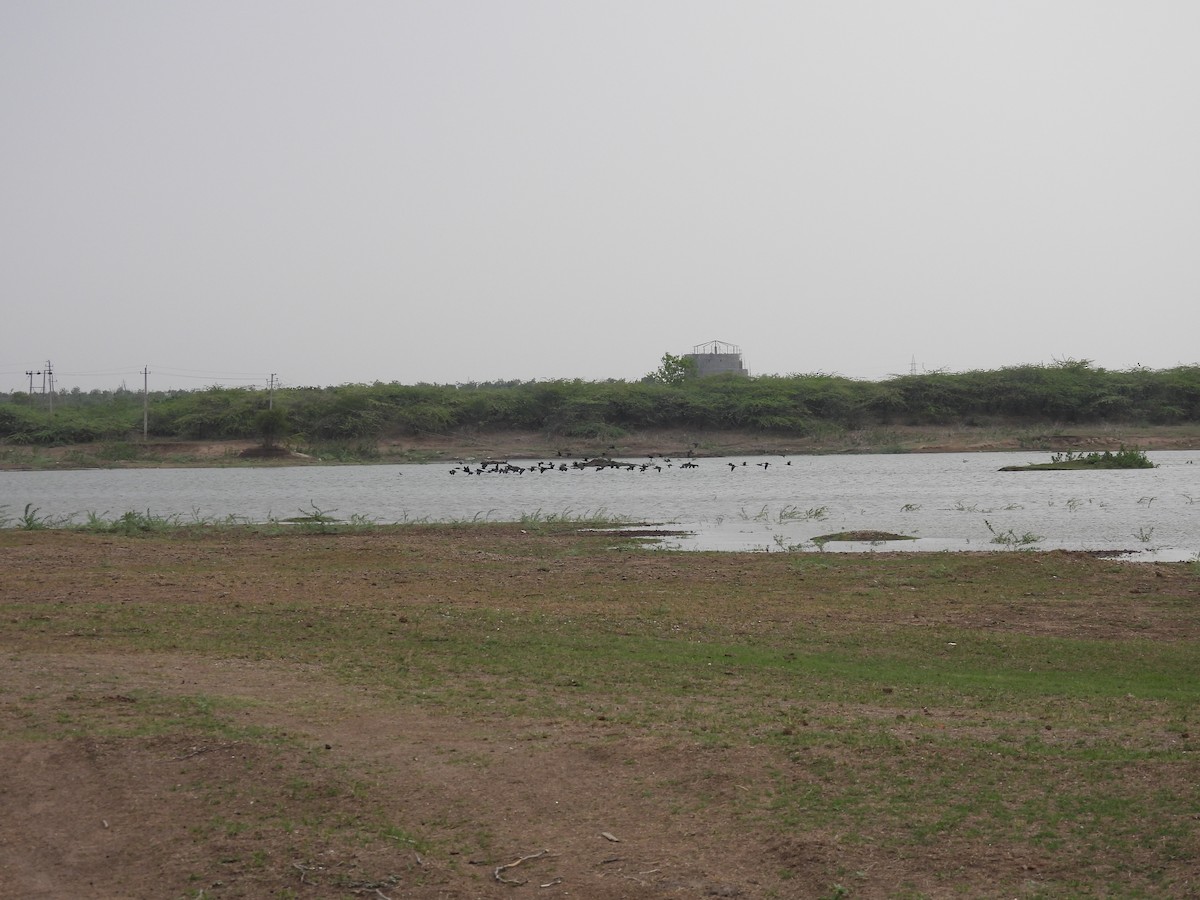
(672, 443)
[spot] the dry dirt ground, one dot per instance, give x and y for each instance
(96, 807)
(536, 445)
(97, 804)
(159, 816)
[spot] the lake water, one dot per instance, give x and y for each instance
(769, 503)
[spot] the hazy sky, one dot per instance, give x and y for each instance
(447, 191)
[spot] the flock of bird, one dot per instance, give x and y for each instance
(598, 463)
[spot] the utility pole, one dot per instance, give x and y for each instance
(145, 403)
(31, 373)
(47, 372)
(271, 392)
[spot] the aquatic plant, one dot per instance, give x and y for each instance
(788, 547)
(862, 536)
(792, 513)
(761, 516)
(1010, 538)
(1125, 458)
(599, 518)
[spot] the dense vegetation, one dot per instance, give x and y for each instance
(1125, 458)
(1071, 392)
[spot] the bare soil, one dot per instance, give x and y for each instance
(98, 805)
(159, 816)
(666, 442)
(94, 811)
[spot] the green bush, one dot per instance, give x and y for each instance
(1069, 391)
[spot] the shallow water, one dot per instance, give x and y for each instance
(946, 501)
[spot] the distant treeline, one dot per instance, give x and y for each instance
(1065, 392)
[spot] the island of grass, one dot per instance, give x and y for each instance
(1122, 459)
(872, 537)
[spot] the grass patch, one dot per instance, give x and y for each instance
(873, 537)
(1131, 458)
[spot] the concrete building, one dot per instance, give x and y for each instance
(717, 358)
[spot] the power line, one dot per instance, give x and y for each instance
(166, 370)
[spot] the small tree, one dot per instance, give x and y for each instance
(674, 369)
(270, 424)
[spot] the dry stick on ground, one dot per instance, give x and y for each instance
(196, 751)
(510, 865)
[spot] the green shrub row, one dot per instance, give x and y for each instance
(1071, 392)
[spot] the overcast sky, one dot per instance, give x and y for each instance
(446, 192)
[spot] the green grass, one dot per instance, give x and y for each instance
(1125, 458)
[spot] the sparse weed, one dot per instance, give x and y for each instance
(30, 520)
(1010, 538)
(600, 518)
(761, 516)
(318, 520)
(783, 544)
(795, 514)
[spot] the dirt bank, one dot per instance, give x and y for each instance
(666, 442)
(892, 439)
